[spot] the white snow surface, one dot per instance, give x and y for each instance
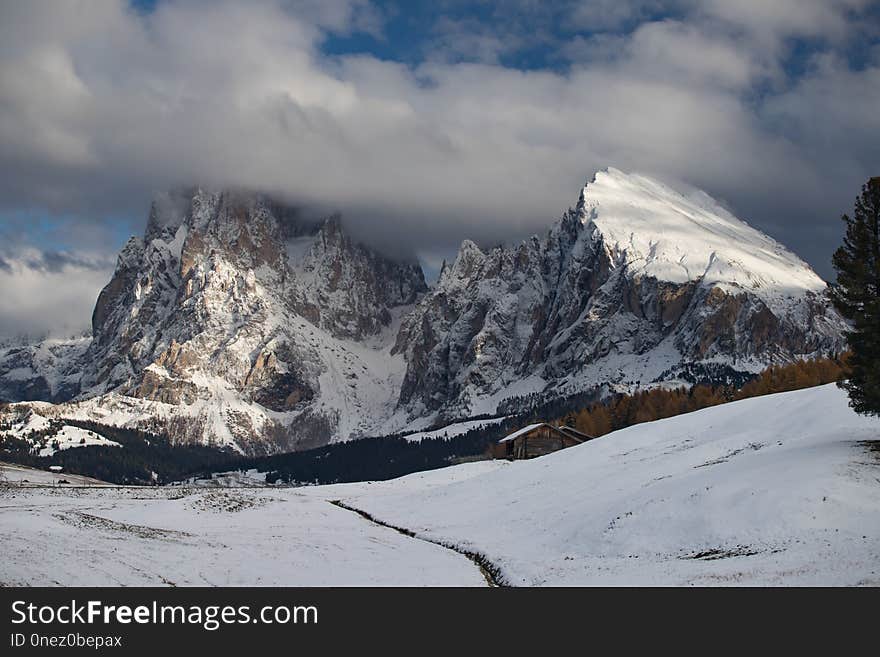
(209, 537)
(452, 430)
(678, 237)
(24, 420)
(776, 490)
(69, 437)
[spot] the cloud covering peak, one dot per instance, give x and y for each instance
(769, 107)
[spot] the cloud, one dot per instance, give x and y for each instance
(101, 106)
(781, 19)
(49, 293)
(56, 262)
(606, 15)
(471, 40)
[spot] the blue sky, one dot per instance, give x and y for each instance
(425, 123)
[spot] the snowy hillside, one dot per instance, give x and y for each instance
(771, 490)
(199, 537)
(20, 476)
(47, 435)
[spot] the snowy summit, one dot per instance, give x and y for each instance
(656, 231)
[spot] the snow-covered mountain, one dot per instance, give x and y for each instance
(235, 321)
(47, 370)
(637, 284)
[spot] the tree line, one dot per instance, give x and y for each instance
(622, 411)
(143, 458)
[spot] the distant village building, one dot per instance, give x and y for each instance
(537, 440)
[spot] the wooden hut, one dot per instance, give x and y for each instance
(537, 440)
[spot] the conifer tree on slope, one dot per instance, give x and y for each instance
(857, 296)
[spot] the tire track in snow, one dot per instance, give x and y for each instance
(491, 572)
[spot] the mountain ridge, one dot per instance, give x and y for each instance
(234, 321)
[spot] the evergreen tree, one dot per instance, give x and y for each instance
(857, 296)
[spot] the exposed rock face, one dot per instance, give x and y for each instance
(360, 285)
(46, 371)
(233, 321)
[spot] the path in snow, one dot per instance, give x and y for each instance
(490, 571)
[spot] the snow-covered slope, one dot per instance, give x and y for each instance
(204, 537)
(451, 430)
(771, 490)
(46, 434)
(233, 320)
(776, 490)
(21, 476)
(657, 231)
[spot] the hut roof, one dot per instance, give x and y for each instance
(574, 433)
(519, 432)
(568, 431)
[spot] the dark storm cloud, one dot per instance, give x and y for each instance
(57, 261)
(101, 105)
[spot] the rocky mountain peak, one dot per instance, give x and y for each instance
(679, 236)
(637, 284)
(231, 294)
(467, 262)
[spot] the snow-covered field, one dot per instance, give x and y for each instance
(21, 476)
(774, 490)
(201, 537)
(771, 490)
